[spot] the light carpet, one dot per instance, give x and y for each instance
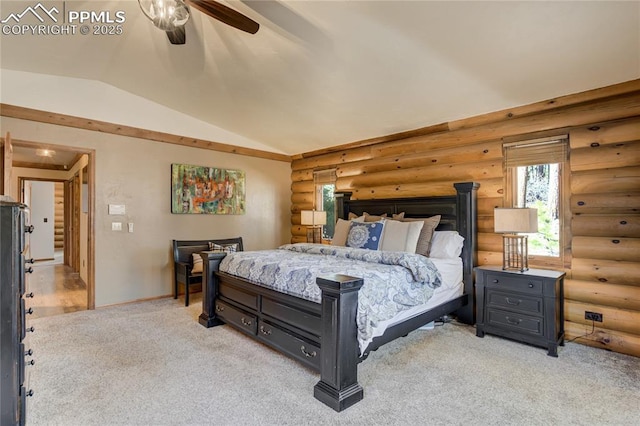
(151, 363)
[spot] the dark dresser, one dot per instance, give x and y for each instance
(15, 356)
(524, 306)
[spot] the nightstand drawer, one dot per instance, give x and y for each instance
(518, 302)
(514, 282)
(516, 322)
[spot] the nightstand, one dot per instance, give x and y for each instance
(524, 306)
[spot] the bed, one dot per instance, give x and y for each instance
(323, 333)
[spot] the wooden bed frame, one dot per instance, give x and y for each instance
(324, 336)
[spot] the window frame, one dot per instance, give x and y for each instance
(563, 260)
(321, 178)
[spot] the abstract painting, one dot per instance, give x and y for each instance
(206, 190)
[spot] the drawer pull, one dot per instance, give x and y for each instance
(244, 321)
(29, 352)
(513, 302)
(219, 308)
(530, 285)
(28, 295)
(496, 281)
(311, 354)
(265, 331)
(29, 270)
(514, 321)
(30, 329)
(30, 362)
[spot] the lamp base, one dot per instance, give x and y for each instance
(515, 256)
(314, 234)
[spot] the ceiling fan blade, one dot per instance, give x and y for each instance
(225, 14)
(177, 35)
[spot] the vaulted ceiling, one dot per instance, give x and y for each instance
(321, 73)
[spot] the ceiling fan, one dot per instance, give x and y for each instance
(171, 16)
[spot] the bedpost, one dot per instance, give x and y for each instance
(467, 205)
(338, 386)
(210, 263)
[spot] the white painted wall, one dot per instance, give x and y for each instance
(136, 173)
(42, 212)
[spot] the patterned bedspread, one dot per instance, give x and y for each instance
(393, 281)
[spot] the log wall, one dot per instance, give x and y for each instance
(602, 220)
(59, 216)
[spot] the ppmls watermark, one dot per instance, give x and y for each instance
(55, 18)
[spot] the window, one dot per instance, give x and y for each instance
(325, 185)
(534, 173)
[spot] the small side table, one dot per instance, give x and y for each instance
(524, 306)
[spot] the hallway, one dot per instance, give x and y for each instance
(56, 289)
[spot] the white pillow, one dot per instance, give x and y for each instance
(197, 263)
(400, 236)
(341, 231)
(446, 244)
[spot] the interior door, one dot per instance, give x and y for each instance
(42, 213)
(76, 203)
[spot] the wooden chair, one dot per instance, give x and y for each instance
(183, 251)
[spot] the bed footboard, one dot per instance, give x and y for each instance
(210, 263)
(322, 337)
(338, 386)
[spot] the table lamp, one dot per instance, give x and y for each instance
(509, 222)
(314, 220)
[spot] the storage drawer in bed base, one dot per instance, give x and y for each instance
(243, 321)
(303, 350)
(285, 327)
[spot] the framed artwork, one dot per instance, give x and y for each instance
(206, 190)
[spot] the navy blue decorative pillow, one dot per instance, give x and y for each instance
(365, 235)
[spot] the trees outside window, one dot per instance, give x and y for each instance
(325, 186)
(538, 187)
(327, 201)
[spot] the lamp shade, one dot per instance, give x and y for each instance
(313, 217)
(514, 220)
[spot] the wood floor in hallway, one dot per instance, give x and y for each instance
(56, 289)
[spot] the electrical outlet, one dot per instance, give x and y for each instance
(593, 316)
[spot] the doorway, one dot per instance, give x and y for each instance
(62, 281)
(56, 280)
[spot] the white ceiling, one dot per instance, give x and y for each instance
(324, 73)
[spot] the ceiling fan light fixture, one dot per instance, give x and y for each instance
(165, 14)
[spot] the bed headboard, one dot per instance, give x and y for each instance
(459, 213)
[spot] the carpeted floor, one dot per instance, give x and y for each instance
(151, 363)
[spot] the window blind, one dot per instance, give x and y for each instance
(537, 151)
(324, 177)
